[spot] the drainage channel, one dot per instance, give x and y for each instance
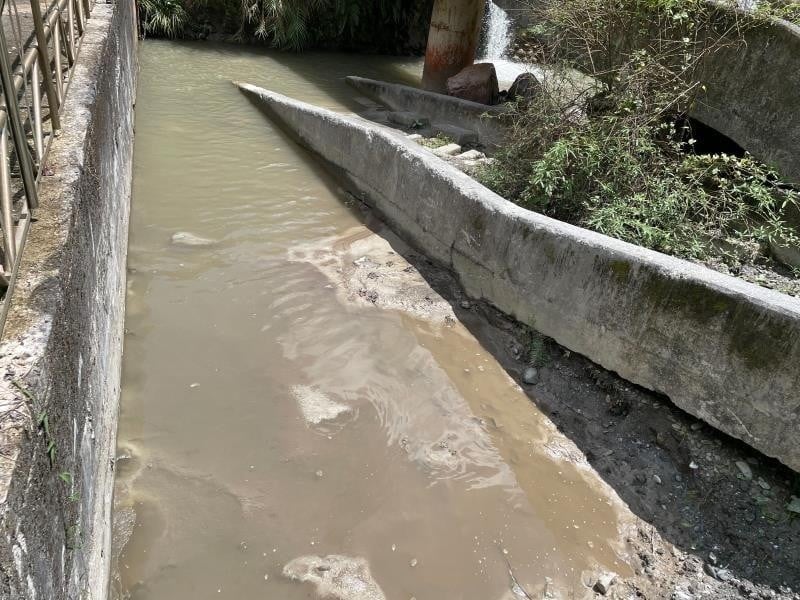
(302, 413)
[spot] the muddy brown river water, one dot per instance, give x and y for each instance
(282, 435)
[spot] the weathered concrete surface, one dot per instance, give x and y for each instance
(63, 338)
(751, 85)
(752, 95)
(723, 350)
(483, 120)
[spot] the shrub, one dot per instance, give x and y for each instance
(292, 24)
(163, 18)
(619, 156)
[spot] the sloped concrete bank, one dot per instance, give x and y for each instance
(723, 350)
(484, 120)
(62, 346)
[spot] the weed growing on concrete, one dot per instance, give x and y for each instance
(67, 478)
(42, 421)
(73, 537)
(619, 155)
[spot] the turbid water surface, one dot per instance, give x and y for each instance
(286, 434)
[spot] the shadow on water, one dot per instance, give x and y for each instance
(330, 79)
(677, 474)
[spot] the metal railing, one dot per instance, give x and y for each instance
(34, 75)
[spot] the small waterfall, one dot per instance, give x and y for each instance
(498, 33)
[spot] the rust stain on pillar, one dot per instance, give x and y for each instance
(452, 40)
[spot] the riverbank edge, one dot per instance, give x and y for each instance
(62, 348)
(721, 349)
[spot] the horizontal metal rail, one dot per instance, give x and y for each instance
(34, 77)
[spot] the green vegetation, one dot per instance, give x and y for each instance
(42, 421)
(437, 141)
(789, 10)
(386, 25)
(163, 17)
(620, 156)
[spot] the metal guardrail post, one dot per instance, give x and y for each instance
(44, 64)
(35, 68)
(81, 21)
(70, 33)
(9, 244)
(36, 92)
(17, 130)
(57, 66)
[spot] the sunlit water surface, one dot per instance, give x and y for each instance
(432, 470)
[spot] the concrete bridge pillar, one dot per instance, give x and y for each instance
(452, 41)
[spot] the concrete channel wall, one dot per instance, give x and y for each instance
(723, 350)
(751, 88)
(480, 118)
(753, 95)
(63, 339)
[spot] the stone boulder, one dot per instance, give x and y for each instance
(477, 83)
(525, 88)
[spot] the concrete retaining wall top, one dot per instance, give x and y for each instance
(480, 118)
(63, 339)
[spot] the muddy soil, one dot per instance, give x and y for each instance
(712, 518)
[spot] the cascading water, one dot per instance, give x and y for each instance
(498, 33)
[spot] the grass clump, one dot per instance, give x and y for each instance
(436, 141)
(620, 156)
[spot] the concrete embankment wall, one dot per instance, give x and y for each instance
(480, 118)
(723, 350)
(753, 95)
(63, 338)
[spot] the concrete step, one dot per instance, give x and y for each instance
(457, 134)
(447, 150)
(368, 103)
(471, 155)
(407, 119)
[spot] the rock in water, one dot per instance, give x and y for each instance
(340, 577)
(525, 88)
(477, 83)
(744, 469)
(604, 583)
(184, 238)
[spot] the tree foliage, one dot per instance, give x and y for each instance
(293, 24)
